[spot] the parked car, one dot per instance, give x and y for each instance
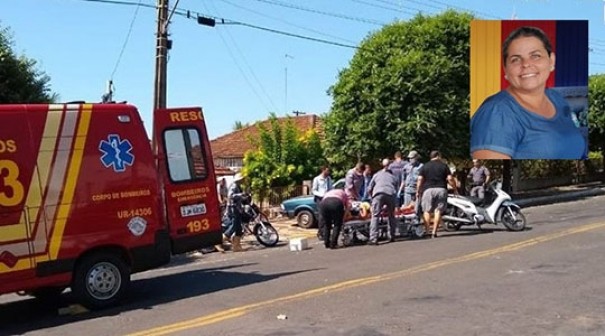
(304, 208)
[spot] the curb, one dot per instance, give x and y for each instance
(566, 197)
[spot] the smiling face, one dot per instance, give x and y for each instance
(528, 64)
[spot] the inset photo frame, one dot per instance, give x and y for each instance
(529, 89)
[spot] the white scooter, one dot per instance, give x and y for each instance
(464, 210)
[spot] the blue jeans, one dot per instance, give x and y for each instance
(232, 224)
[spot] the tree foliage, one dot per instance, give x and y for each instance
(405, 88)
(596, 112)
(285, 156)
(20, 79)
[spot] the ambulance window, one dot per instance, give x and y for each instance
(185, 155)
(197, 156)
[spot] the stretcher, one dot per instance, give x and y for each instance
(356, 230)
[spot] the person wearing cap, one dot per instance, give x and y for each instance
(409, 178)
(479, 177)
(383, 188)
(235, 208)
(433, 179)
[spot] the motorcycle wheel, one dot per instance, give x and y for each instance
(266, 235)
(516, 223)
(450, 226)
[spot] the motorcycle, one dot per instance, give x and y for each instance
(256, 223)
(497, 207)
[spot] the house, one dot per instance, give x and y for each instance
(228, 150)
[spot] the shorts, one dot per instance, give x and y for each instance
(434, 199)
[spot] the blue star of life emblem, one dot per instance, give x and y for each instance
(116, 153)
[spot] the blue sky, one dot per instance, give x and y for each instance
(235, 73)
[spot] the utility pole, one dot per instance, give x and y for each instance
(161, 56)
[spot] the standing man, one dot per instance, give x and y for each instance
(367, 177)
(235, 210)
(332, 210)
(409, 178)
(384, 189)
(321, 184)
(433, 178)
(354, 182)
(479, 177)
(396, 167)
(222, 192)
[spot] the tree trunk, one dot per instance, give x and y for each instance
(506, 176)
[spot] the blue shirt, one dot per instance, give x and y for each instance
(410, 176)
(501, 124)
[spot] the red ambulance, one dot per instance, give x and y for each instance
(86, 200)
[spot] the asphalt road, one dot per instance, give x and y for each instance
(546, 280)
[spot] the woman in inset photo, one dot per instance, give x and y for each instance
(526, 120)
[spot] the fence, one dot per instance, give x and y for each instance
(538, 174)
(279, 194)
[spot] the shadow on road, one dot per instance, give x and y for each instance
(17, 318)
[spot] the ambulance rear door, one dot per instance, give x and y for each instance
(186, 171)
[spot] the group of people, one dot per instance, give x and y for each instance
(399, 183)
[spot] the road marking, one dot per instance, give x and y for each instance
(242, 310)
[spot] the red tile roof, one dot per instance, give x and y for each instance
(223, 171)
(236, 144)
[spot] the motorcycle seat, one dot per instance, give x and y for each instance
(475, 200)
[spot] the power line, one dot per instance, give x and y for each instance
(134, 17)
(126, 3)
(286, 21)
(315, 11)
(447, 5)
(413, 1)
(187, 14)
(384, 7)
(275, 31)
(248, 66)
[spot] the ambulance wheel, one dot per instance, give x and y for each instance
(101, 279)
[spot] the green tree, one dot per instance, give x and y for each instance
(596, 113)
(285, 156)
(20, 79)
(405, 88)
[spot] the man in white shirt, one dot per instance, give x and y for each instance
(322, 183)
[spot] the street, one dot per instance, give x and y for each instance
(546, 280)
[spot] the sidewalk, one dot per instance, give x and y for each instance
(558, 194)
